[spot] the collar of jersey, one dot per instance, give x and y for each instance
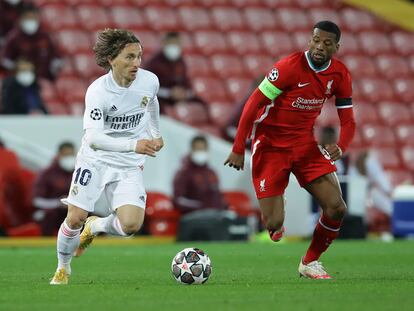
(312, 66)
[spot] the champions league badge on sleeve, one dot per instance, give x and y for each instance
(273, 75)
(96, 114)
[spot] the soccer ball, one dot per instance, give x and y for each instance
(191, 266)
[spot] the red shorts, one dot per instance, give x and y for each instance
(271, 166)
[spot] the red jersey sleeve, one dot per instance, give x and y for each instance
(281, 74)
(344, 89)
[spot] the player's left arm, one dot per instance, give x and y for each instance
(345, 110)
(154, 111)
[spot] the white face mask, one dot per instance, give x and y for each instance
(199, 157)
(172, 51)
(67, 163)
(29, 26)
(25, 78)
(13, 2)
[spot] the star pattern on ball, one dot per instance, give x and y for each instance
(96, 114)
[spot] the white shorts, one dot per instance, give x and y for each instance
(101, 188)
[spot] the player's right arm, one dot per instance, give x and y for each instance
(93, 124)
(272, 85)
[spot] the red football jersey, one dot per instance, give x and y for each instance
(299, 91)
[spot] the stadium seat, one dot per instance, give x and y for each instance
(403, 42)
(161, 217)
(58, 17)
(378, 136)
(57, 107)
(260, 19)
(162, 18)
(293, 19)
(349, 44)
(193, 19)
(279, 4)
(150, 41)
(394, 113)
(257, 65)
(128, 17)
(227, 18)
(374, 43)
(360, 66)
(93, 17)
(74, 41)
(405, 134)
(86, 67)
(320, 14)
(407, 154)
(301, 40)
(178, 3)
(213, 3)
(238, 88)
(411, 62)
(210, 42)
(48, 90)
(309, 4)
(210, 89)
(240, 203)
(227, 65)
(277, 43)
(357, 20)
(398, 177)
(220, 112)
(71, 89)
(404, 89)
(211, 129)
(388, 157)
(357, 141)
(376, 90)
(244, 43)
(198, 66)
(365, 112)
(392, 66)
(249, 4)
(192, 113)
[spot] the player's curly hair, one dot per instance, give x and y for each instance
(110, 43)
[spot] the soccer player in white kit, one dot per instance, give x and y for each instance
(121, 127)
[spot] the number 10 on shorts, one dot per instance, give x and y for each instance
(83, 176)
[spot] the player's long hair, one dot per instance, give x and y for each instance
(110, 43)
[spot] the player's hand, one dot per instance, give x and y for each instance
(235, 160)
(334, 151)
(159, 143)
(145, 146)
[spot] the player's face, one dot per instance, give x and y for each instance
(322, 46)
(125, 65)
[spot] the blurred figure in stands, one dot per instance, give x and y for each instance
(379, 193)
(14, 210)
(168, 64)
(21, 93)
(27, 40)
(51, 185)
(10, 11)
(196, 185)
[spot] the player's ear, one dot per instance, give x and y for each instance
(337, 47)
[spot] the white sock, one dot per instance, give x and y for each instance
(109, 225)
(67, 242)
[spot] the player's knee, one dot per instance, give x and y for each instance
(75, 221)
(272, 223)
(132, 227)
(338, 209)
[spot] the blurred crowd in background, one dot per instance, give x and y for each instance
(209, 56)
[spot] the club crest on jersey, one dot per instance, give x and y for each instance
(144, 102)
(273, 75)
(329, 87)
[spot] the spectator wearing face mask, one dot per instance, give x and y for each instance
(196, 185)
(21, 94)
(27, 40)
(169, 65)
(51, 185)
(10, 11)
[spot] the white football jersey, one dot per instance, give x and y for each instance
(119, 112)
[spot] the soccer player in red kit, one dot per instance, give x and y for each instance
(280, 115)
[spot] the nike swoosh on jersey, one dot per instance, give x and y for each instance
(303, 84)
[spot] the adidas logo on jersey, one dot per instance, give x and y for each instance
(113, 108)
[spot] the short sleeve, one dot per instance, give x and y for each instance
(93, 117)
(344, 89)
(277, 80)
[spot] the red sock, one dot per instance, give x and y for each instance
(325, 232)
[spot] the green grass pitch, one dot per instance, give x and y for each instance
(246, 276)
